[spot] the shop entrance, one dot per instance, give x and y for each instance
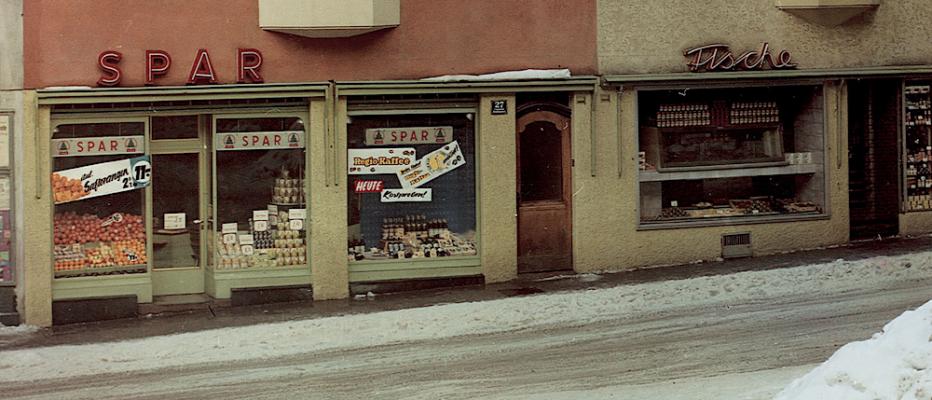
(873, 193)
(179, 203)
(544, 188)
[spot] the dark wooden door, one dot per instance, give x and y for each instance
(545, 236)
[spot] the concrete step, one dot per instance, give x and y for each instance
(176, 304)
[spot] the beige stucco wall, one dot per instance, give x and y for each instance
(36, 259)
(915, 223)
(498, 222)
(605, 205)
(650, 36)
(328, 221)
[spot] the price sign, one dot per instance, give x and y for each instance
(229, 238)
(260, 226)
(297, 213)
(296, 224)
(229, 228)
(245, 239)
(247, 250)
(260, 215)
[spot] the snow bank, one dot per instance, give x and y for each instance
(451, 320)
(505, 76)
(17, 330)
(894, 364)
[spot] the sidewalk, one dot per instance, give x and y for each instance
(146, 326)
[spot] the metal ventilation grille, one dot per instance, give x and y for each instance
(736, 245)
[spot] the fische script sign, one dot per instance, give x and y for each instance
(409, 136)
(379, 161)
(718, 57)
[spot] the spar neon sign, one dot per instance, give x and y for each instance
(158, 63)
(718, 57)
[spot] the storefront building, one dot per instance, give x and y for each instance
(11, 113)
(306, 151)
(290, 153)
(773, 126)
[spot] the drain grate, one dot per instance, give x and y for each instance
(736, 245)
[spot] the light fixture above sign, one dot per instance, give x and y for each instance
(328, 18)
(718, 57)
(827, 12)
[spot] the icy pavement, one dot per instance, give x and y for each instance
(894, 364)
(604, 318)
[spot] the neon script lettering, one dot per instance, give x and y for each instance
(718, 57)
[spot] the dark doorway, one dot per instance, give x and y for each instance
(873, 158)
(545, 236)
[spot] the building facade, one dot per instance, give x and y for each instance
(11, 124)
(260, 144)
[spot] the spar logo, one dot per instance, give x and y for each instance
(63, 149)
(293, 140)
(130, 145)
(379, 138)
(229, 142)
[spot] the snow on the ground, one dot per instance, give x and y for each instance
(450, 320)
(17, 330)
(757, 385)
(893, 364)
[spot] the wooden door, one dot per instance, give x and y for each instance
(545, 236)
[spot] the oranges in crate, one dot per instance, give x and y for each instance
(66, 189)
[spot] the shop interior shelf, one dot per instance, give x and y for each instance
(792, 169)
(101, 271)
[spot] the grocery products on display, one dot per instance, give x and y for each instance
(66, 189)
(86, 244)
(918, 127)
(275, 240)
(413, 236)
(758, 206)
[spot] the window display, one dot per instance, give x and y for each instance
(98, 222)
(412, 187)
(729, 153)
(918, 129)
(261, 200)
(6, 221)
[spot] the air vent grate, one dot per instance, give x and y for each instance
(736, 245)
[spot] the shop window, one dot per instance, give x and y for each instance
(412, 191)
(6, 215)
(175, 127)
(709, 155)
(918, 130)
(261, 203)
(98, 223)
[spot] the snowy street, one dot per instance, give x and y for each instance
(739, 336)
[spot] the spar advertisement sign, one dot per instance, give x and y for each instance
(260, 140)
(101, 179)
(98, 146)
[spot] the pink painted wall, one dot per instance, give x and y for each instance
(63, 38)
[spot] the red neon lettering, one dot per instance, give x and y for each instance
(394, 136)
(266, 141)
(717, 57)
(157, 64)
(245, 141)
(80, 147)
(248, 63)
(108, 61)
(113, 145)
(278, 140)
(424, 135)
(202, 70)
